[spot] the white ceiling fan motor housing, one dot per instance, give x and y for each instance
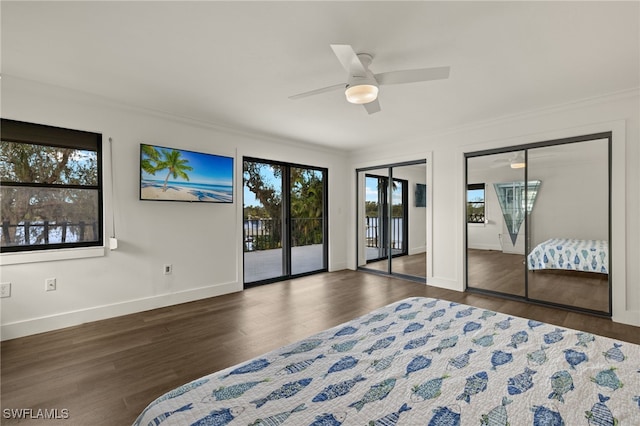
(362, 88)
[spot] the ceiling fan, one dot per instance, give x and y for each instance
(362, 85)
(515, 161)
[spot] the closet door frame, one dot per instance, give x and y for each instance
(608, 136)
(359, 199)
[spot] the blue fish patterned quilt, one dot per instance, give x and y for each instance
(421, 361)
(569, 254)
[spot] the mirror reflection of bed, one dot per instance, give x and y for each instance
(579, 266)
(553, 249)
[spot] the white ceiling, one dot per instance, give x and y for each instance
(235, 63)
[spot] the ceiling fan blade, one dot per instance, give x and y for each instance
(412, 76)
(348, 58)
(372, 107)
(318, 91)
(500, 162)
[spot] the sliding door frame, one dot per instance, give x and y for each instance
(286, 222)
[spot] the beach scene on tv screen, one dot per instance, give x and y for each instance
(177, 175)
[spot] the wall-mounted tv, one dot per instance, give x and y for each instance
(170, 174)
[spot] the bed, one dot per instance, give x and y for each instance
(420, 361)
(570, 254)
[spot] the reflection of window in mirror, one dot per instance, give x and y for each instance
(475, 203)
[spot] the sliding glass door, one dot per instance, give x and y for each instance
(306, 210)
(263, 225)
(284, 210)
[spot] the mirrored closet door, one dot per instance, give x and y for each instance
(409, 203)
(495, 223)
(392, 219)
(538, 222)
(568, 258)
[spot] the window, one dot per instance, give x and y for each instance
(475, 203)
(51, 187)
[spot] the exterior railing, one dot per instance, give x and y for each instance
(475, 218)
(47, 232)
(374, 236)
(265, 234)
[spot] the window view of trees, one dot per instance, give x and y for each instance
(371, 209)
(263, 217)
(376, 184)
(307, 206)
(50, 195)
(264, 181)
(262, 221)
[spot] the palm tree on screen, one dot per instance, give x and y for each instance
(150, 158)
(177, 166)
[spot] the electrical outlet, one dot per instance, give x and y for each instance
(5, 290)
(168, 269)
(50, 284)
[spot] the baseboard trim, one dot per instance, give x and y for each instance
(627, 317)
(445, 283)
(417, 250)
(337, 266)
(72, 318)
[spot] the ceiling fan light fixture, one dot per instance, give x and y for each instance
(361, 93)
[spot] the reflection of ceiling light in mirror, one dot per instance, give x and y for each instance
(517, 162)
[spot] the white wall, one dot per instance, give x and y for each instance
(201, 241)
(573, 197)
(619, 113)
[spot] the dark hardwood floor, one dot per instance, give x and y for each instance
(495, 270)
(106, 372)
(504, 272)
(415, 264)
